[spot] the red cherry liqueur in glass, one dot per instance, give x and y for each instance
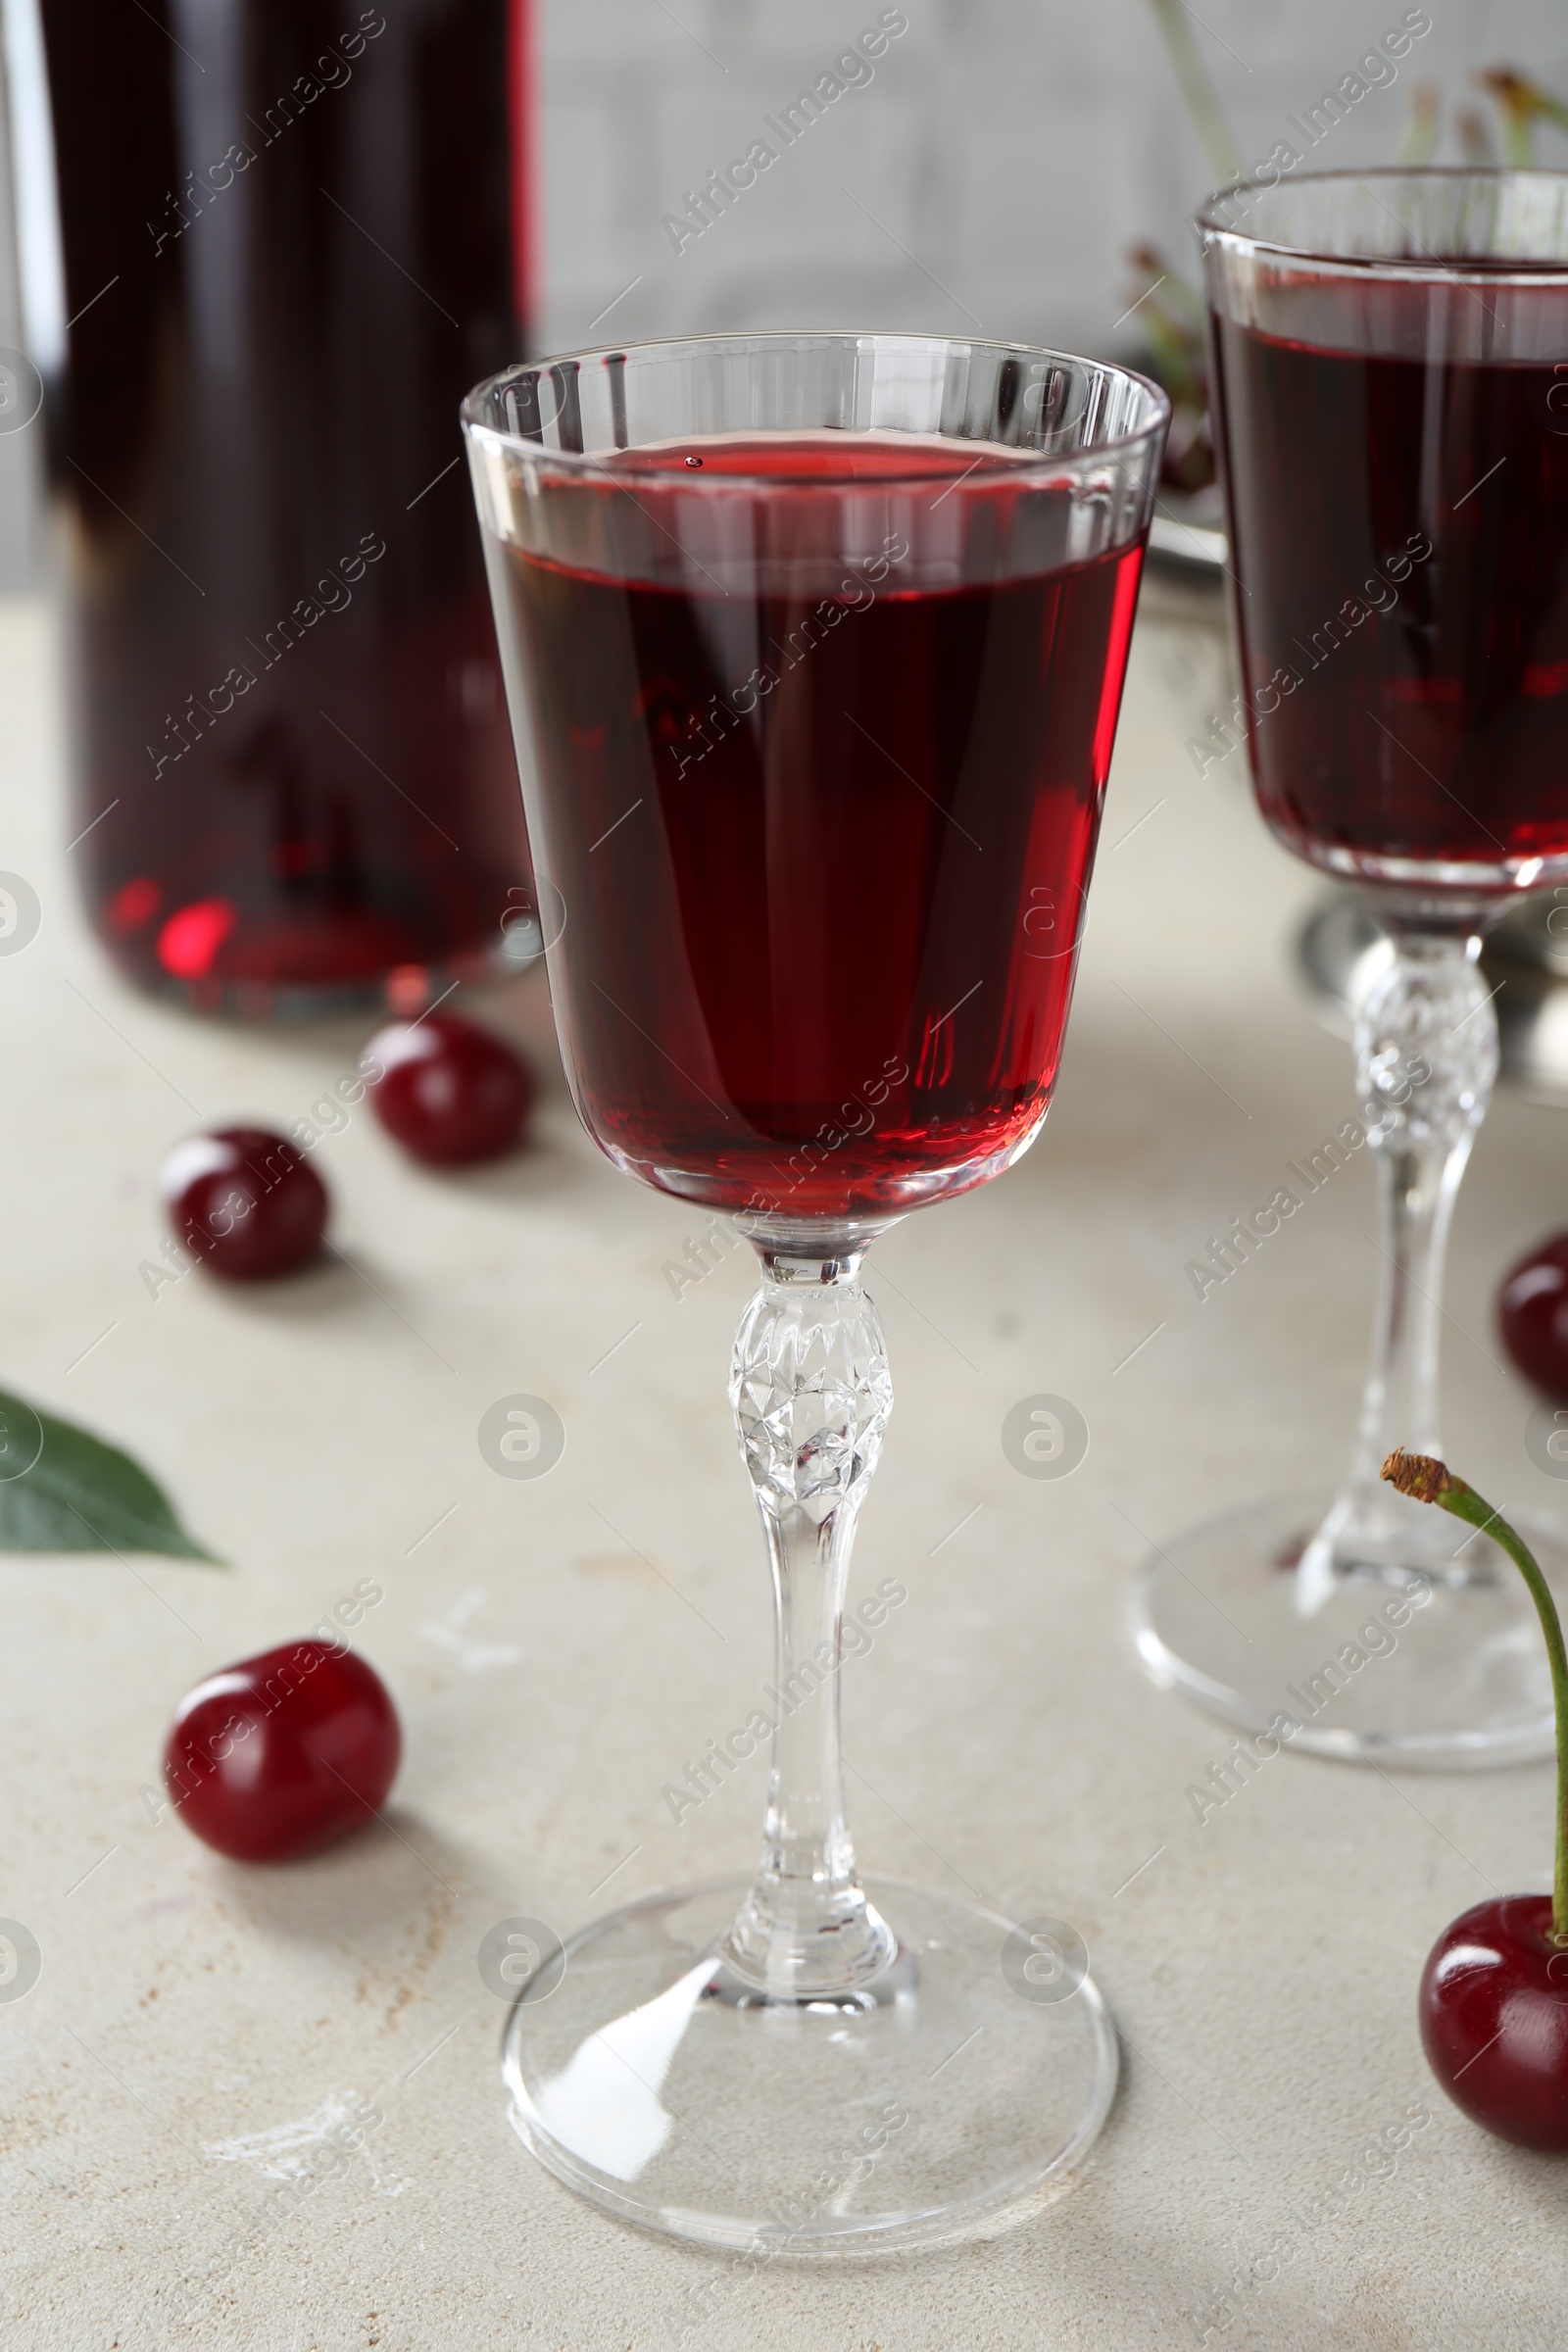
(827, 834)
(1404, 629)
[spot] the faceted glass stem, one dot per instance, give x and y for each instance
(811, 1395)
(1426, 1061)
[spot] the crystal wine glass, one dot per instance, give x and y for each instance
(1392, 403)
(814, 645)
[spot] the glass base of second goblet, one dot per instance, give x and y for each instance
(934, 2097)
(1224, 1614)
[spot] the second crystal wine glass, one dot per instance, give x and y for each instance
(1392, 413)
(814, 646)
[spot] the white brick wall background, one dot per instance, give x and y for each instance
(994, 171)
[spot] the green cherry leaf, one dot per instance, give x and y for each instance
(63, 1490)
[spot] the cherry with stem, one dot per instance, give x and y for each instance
(1493, 2001)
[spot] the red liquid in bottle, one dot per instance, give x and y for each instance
(820, 846)
(287, 242)
(1399, 529)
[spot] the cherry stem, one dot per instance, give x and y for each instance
(1428, 1479)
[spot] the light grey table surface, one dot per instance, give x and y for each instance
(559, 1647)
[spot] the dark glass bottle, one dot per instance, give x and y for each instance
(289, 234)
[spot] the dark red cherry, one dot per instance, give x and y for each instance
(1495, 2020)
(448, 1090)
(282, 1753)
(246, 1202)
(1533, 1311)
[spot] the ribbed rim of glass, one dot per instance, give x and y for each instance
(1024, 467)
(1471, 270)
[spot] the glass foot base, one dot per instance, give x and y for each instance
(974, 2070)
(1254, 1620)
